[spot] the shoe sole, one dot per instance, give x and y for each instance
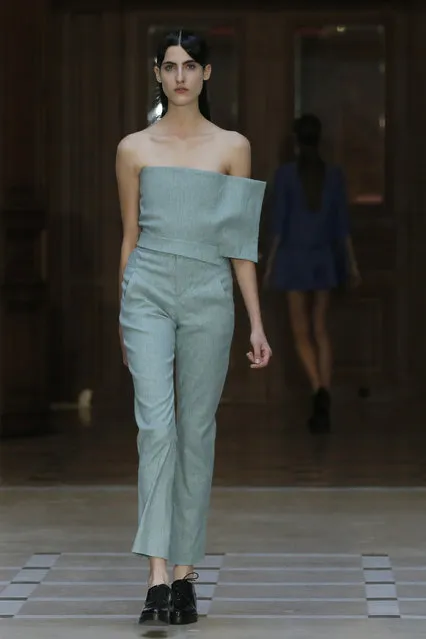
(182, 620)
(154, 620)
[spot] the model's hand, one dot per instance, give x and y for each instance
(123, 349)
(261, 353)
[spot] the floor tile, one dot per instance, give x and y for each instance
(381, 591)
(280, 576)
(41, 561)
(7, 574)
(86, 607)
(18, 591)
(288, 560)
(107, 591)
(409, 575)
(30, 575)
(12, 560)
(379, 576)
(308, 591)
(115, 576)
(411, 591)
(409, 560)
(283, 608)
(383, 609)
(332, 561)
(413, 608)
(370, 562)
(9, 608)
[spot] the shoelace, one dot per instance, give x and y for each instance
(180, 597)
(191, 578)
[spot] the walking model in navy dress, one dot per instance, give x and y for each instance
(310, 241)
(311, 253)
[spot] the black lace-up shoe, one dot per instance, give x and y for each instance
(184, 601)
(156, 611)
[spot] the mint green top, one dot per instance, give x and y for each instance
(200, 214)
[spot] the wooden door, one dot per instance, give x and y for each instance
(344, 67)
(102, 89)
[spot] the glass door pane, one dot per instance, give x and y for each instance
(340, 75)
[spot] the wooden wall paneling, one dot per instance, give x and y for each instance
(84, 321)
(375, 235)
(23, 33)
(59, 162)
(415, 194)
(23, 218)
(75, 204)
(24, 306)
(54, 153)
(273, 133)
(244, 384)
(2, 121)
(132, 117)
(398, 154)
(134, 70)
(62, 351)
(111, 374)
(286, 375)
(104, 96)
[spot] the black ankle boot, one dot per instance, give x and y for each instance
(320, 420)
(322, 401)
(184, 601)
(156, 611)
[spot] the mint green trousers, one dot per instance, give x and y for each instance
(177, 316)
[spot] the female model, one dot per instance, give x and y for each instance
(311, 253)
(186, 183)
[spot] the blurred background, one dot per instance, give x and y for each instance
(76, 76)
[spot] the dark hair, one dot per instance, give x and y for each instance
(197, 48)
(311, 166)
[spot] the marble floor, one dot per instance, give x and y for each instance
(280, 563)
(326, 538)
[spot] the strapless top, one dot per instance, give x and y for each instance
(200, 214)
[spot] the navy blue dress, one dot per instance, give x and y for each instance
(312, 253)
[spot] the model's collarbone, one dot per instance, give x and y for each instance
(198, 153)
(203, 162)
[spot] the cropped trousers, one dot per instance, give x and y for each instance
(177, 319)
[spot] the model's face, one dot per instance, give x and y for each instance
(181, 77)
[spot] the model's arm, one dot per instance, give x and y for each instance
(245, 271)
(128, 193)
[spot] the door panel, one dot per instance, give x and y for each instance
(101, 67)
(342, 69)
(103, 88)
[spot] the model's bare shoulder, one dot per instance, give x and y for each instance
(238, 151)
(132, 148)
(126, 148)
(238, 141)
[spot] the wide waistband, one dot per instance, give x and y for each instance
(195, 250)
